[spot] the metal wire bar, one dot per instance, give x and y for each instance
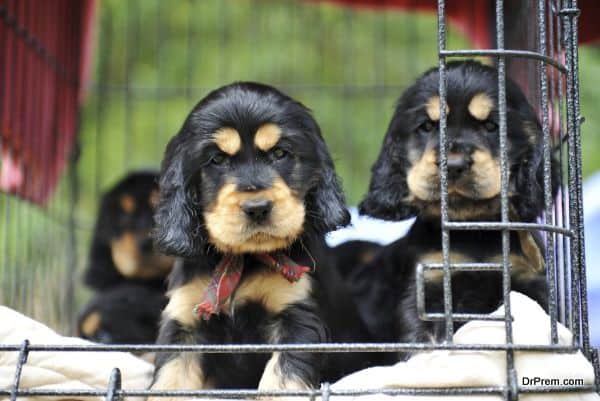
(572, 173)
(114, 386)
(447, 285)
(514, 226)
(463, 266)
(506, 273)
(268, 348)
(23, 352)
(574, 12)
(503, 53)
(228, 394)
(548, 201)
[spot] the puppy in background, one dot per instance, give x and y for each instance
(122, 249)
(124, 314)
(350, 255)
(247, 192)
(405, 182)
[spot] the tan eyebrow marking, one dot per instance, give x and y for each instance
(481, 106)
(127, 203)
(433, 108)
(228, 140)
(267, 136)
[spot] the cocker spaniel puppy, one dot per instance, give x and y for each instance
(406, 182)
(247, 191)
(122, 249)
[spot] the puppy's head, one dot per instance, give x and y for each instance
(248, 172)
(125, 223)
(406, 177)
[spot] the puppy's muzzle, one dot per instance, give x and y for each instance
(459, 160)
(257, 210)
(458, 165)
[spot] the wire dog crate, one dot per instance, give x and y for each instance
(537, 46)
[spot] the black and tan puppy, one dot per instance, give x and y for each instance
(247, 191)
(122, 249)
(124, 314)
(350, 255)
(406, 182)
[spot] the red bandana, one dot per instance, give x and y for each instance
(227, 275)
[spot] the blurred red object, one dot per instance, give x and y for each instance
(475, 18)
(45, 49)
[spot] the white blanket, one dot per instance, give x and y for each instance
(63, 370)
(91, 370)
(531, 325)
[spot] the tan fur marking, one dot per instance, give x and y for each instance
(423, 177)
(437, 257)
(267, 136)
(181, 373)
(131, 262)
(153, 198)
(273, 379)
(521, 266)
(486, 175)
(228, 140)
(126, 254)
(531, 251)
(432, 107)
(367, 256)
(272, 290)
(183, 299)
(481, 106)
(91, 324)
(228, 227)
(127, 203)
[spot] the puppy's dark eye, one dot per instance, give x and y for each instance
(490, 126)
(218, 159)
(427, 126)
(279, 153)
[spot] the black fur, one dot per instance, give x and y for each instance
(350, 255)
(385, 287)
(128, 314)
(190, 183)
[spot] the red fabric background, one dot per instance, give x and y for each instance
(44, 58)
(460, 14)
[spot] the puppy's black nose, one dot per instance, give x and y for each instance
(458, 164)
(257, 210)
(145, 244)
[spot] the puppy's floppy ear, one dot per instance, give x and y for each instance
(529, 180)
(326, 200)
(388, 187)
(101, 271)
(178, 213)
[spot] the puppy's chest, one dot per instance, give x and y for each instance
(259, 286)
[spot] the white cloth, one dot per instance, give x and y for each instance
(531, 325)
(369, 229)
(63, 370)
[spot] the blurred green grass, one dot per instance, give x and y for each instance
(348, 66)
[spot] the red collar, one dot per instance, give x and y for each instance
(227, 275)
